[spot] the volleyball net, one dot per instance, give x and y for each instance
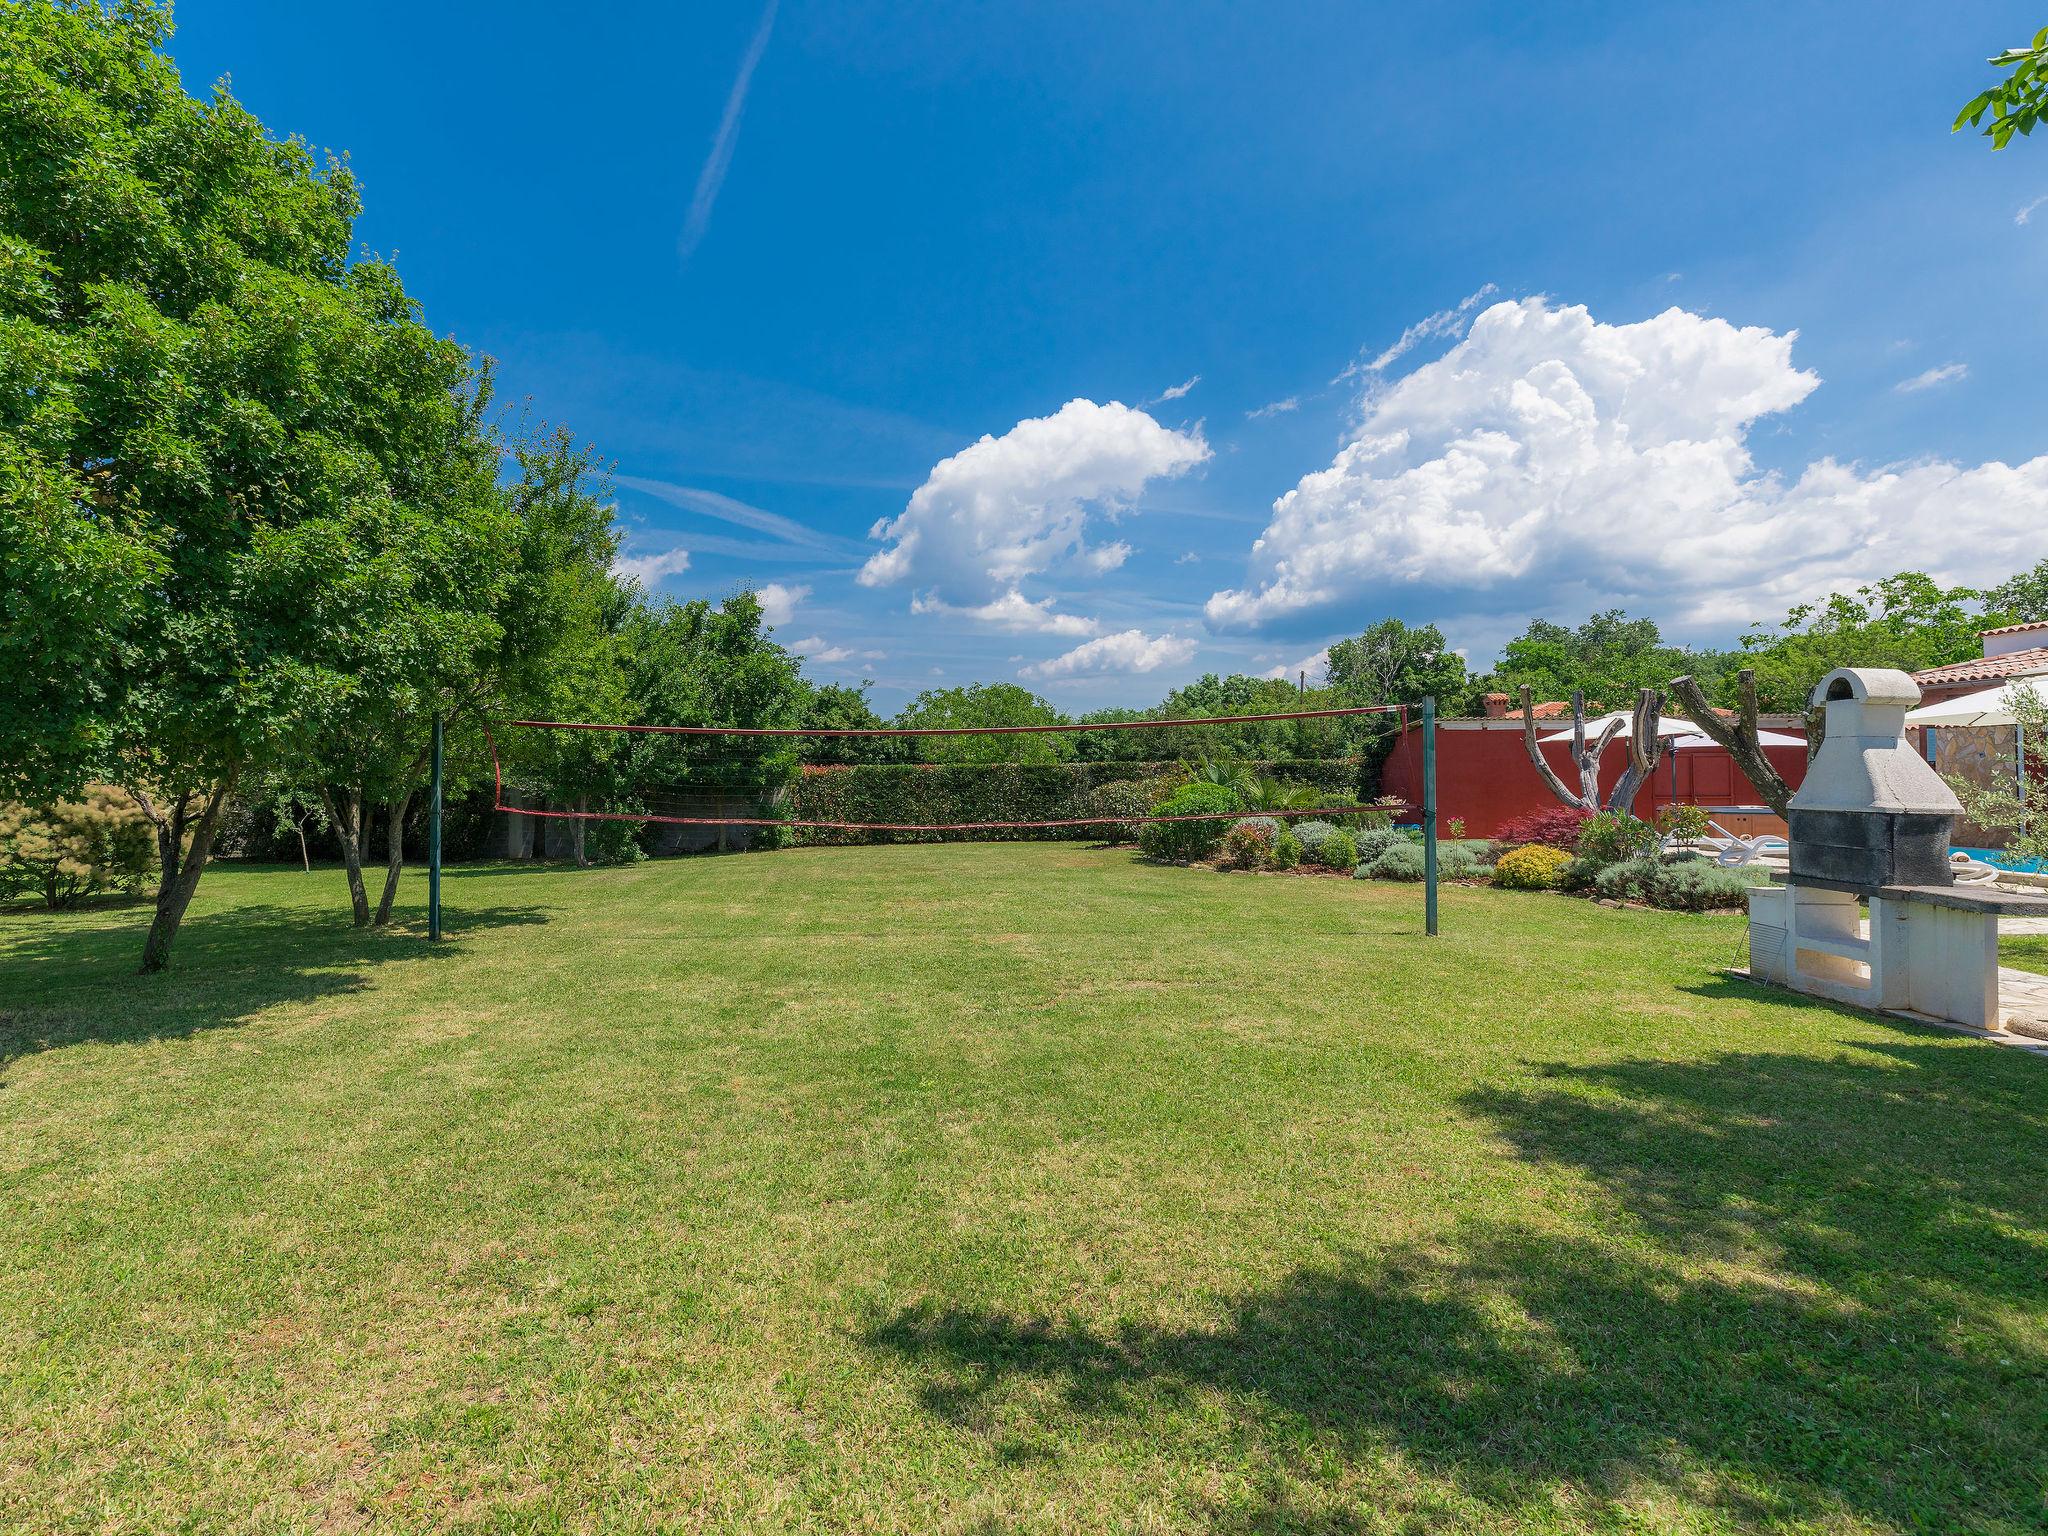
(960, 782)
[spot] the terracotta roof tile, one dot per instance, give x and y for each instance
(2014, 629)
(1987, 669)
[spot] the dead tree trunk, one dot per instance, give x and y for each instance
(1645, 750)
(1584, 759)
(180, 863)
(576, 837)
(1739, 738)
(394, 854)
(345, 806)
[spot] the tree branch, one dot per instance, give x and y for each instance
(1739, 740)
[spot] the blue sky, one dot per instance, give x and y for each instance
(786, 268)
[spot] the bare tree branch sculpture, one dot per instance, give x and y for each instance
(1646, 747)
(1739, 737)
(1585, 760)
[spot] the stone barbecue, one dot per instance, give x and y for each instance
(1870, 824)
(1871, 812)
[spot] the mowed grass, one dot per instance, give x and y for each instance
(2024, 952)
(992, 1188)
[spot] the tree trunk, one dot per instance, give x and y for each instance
(305, 858)
(346, 808)
(394, 855)
(1739, 739)
(180, 866)
(1645, 750)
(1587, 761)
(576, 827)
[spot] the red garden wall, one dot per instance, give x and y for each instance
(1484, 775)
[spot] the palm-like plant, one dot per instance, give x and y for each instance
(1232, 773)
(1263, 792)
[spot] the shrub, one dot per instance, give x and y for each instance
(618, 842)
(1613, 836)
(1312, 835)
(1187, 839)
(98, 842)
(1267, 824)
(1683, 823)
(1683, 885)
(1397, 861)
(1249, 844)
(1478, 849)
(1121, 804)
(1577, 875)
(1286, 849)
(1532, 867)
(1456, 828)
(1556, 826)
(1456, 861)
(1338, 851)
(1693, 885)
(1371, 842)
(1159, 786)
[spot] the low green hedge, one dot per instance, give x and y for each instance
(924, 794)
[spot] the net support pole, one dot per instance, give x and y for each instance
(434, 840)
(1429, 814)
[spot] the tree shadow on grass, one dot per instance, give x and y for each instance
(64, 985)
(1801, 1297)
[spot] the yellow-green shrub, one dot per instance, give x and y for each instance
(1532, 867)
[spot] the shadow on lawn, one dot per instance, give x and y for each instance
(1803, 1305)
(77, 983)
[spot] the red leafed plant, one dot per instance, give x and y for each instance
(1556, 826)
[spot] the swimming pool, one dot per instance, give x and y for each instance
(2002, 860)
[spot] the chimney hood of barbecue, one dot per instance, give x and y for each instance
(1865, 762)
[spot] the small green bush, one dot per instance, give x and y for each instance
(1187, 839)
(1400, 860)
(1682, 885)
(1613, 836)
(1337, 851)
(1456, 861)
(1532, 867)
(1248, 844)
(1266, 824)
(1312, 835)
(1683, 823)
(1577, 875)
(99, 842)
(1374, 841)
(1286, 849)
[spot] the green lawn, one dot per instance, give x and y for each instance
(2025, 952)
(990, 1188)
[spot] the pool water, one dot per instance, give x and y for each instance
(2000, 860)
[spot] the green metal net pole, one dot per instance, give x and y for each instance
(434, 841)
(1429, 814)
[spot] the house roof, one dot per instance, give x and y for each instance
(2014, 629)
(1986, 669)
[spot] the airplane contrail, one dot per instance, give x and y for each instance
(712, 177)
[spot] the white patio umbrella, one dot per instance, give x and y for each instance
(1665, 727)
(1693, 741)
(1989, 706)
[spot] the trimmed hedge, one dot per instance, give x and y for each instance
(925, 793)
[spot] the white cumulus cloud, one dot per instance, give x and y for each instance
(1014, 613)
(1011, 507)
(649, 569)
(815, 648)
(1317, 667)
(1548, 452)
(779, 602)
(1132, 650)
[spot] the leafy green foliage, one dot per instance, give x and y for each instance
(1337, 851)
(1187, 839)
(1373, 841)
(1907, 621)
(99, 841)
(986, 704)
(2016, 801)
(1683, 885)
(1683, 823)
(1249, 844)
(1611, 836)
(1121, 804)
(1611, 656)
(1400, 860)
(2016, 103)
(2023, 599)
